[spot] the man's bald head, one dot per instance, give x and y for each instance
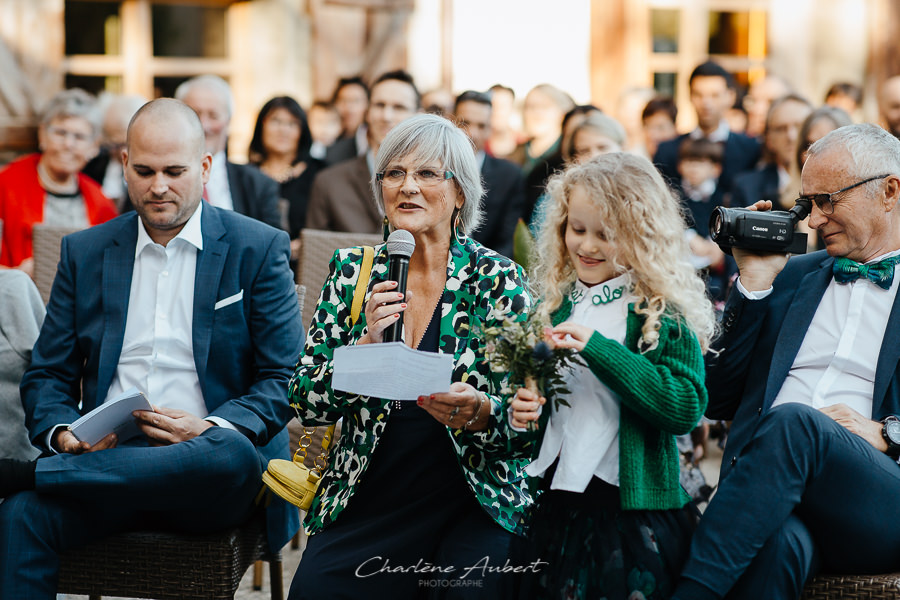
(173, 115)
(166, 166)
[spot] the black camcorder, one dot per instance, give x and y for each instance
(761, 231)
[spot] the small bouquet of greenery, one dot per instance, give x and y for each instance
(524, 350)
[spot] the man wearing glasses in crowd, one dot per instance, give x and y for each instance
(808, 370)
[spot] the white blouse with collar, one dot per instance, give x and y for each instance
(585, 435)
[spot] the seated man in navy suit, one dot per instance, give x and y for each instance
(808, 371)
(195, 307)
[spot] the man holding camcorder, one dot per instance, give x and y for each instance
(808, 370)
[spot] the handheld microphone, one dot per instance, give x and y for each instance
(400, 246)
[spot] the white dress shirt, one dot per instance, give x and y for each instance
(836, 361)
(719, 134)
(218, 192)
(585, 435)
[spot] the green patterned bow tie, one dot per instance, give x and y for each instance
(880, 273)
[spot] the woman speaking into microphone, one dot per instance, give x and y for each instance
(419, 498)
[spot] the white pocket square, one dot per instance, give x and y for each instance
(229, 300)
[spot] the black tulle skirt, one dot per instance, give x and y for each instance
(595, 550)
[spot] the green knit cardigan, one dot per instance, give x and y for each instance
(662, 395)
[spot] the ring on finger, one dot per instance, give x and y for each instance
(453, 413)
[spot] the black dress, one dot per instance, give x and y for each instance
(296, 192)
(412, 528)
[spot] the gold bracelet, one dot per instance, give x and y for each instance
(477, 414)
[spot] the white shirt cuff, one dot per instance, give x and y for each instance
(221, 422)
(509, 412)
(751, 295)
(49, 439)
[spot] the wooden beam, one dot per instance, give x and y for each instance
(137, 33)
(188, 67)
(16, 95)
(93, 64)
(609, 46)
(447, 44)
(375, 4)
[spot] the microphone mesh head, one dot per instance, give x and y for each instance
(401, 242)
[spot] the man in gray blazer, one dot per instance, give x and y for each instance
(341, 197)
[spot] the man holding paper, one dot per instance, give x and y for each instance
(195, 307)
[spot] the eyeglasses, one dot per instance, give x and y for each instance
(825, 201)
(60, 134)
(394, 178)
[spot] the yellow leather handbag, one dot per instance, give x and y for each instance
(292, 479)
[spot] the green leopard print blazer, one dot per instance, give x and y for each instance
(482, 288)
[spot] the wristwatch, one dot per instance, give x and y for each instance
(890, 431)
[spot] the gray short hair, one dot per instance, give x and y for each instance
(872, 150)
(73, 103)
(435, 139)
(210, 82)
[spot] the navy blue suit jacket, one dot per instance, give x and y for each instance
(760, 341)
(244, 352)
(758, 184)
(504, 198)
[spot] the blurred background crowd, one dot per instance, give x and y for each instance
(296, 95)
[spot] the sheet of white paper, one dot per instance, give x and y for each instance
(392, 371)
(113, 416)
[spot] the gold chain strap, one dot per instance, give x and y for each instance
(359, 295)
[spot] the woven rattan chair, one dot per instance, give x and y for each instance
(45, 243)
(170, 566)
(316, 249)
(853, 587)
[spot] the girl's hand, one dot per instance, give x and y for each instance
(460, 405)
(383, 309)
(526, 408)
(571, 335)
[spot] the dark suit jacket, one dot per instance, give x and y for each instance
(342, 200)
(741, 154)
(503, 201)
(244, 352)
(254, 194)
(96, 167)
(343, 149)
(760, 341)
(536, 182)
(758, 184)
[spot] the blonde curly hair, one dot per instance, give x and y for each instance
(645, 222)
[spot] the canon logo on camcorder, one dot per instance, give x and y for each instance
(755, 228)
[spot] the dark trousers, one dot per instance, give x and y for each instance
(202, 485)
(805, 494)
(432, 555)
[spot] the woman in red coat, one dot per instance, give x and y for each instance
(48, 187)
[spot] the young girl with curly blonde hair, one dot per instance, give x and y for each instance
(613, 276)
